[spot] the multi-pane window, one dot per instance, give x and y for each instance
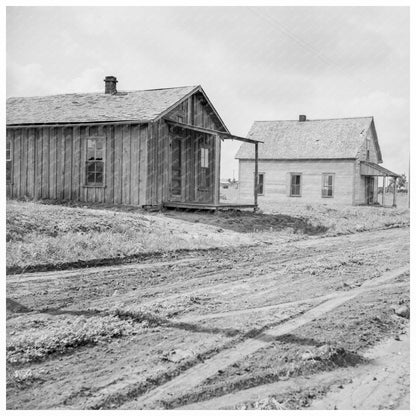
(8, 161)
(260, 185)
(95, 161)
(295, 179)
(327, 185)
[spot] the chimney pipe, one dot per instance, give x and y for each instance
(110, 85)
(302, 118)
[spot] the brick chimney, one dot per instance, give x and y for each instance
(110, 85)
(302, 118)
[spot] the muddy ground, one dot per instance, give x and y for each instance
(197, 329)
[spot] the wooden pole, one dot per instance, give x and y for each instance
(256, 174)
(217, 169)
(384, 191)
(394, 193)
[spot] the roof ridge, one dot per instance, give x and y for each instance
(315, 119)
(102, 93)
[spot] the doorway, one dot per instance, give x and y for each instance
(369, 190)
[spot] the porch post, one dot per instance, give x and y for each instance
(394, 193)
(256, 174)
(217, 152)
(384, 190)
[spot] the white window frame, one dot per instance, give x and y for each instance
(325, 188)
(96, 161)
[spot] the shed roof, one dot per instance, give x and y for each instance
(145, 105)
(311, 139)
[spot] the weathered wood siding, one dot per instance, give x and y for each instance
(50, 163)
(195, 111)
(277, 180)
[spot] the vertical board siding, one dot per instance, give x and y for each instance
(125, 165)
(60, 164)
(45, 163)
(31, 164)
(143, 136)
(135, 164)
(38, 163)
(76, 164)
(118, 157)
(67, 166)
(52, 164)
(17, 166)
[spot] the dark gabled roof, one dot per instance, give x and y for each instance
(141, 106)
(311, 139)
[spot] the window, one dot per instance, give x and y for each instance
(367, 146)
(260, 187)
(180, 119)
(295, 184)
(368, 155)
(95, 162)
(204, 157)
(8, 161)
(327, 185)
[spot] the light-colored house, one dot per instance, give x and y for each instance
(325, 161)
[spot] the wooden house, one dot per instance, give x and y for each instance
(325, 161)
(148, 148)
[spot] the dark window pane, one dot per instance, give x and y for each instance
(90, 167)
(330, 180)
(99, 167)
(99, 178)
(91, 178)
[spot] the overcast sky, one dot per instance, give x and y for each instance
(255, 63)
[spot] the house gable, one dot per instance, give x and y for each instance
(195, 109)
(370, 144)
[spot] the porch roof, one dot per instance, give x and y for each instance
(372, 169)
(222, 134)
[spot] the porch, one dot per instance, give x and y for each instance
(207, 206)
(370, 171)
(195, 168)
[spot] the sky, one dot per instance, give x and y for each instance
(254, 63)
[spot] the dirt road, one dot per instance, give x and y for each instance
(210, 325)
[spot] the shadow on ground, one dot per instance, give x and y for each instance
(248, 222)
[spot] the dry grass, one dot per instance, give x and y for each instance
(39, 234)
(344, 219)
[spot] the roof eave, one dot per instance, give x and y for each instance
(77, 123)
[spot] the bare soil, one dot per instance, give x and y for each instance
(199, 327)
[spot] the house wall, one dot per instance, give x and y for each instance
(50, 163)
(277, 180)
(195, 111)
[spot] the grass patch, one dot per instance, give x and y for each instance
(340, 220)
(39, 234)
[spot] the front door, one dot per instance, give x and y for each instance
(176, 177)
(369, 190)
(204, 169)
